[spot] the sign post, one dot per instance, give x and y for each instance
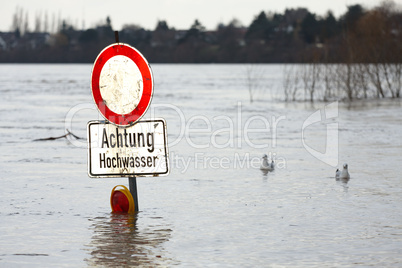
(132, 184)
(123, 146)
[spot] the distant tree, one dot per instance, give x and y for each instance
(230, 39)
(38, 22)
(329, 27)
(310, 28)
(26, 24)
(163, 37)
(376, 41)
(162, 26)
(195, 34)
(275, 20)
(353, 14)
(105, 31)
(295, 16)
(89, 36)
(231, 33)
(17, 33)
(64, 26)
(197, 26)
(235, 23)
(196, 29)
(259, 28)
(18, 20)
(135, 35)
(46, 23)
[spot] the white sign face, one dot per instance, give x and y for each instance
(120, 84)
(138, 150)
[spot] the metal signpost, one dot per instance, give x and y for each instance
(123, 146)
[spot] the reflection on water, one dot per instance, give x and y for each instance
(118, 240)
(344, 184)
(264, 172)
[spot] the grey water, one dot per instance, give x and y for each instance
(216, 207)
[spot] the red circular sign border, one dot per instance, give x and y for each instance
(147, 78)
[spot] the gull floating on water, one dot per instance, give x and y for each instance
(337, 174)
(342, 174)
(265, 165)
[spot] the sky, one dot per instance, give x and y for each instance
(179, 14)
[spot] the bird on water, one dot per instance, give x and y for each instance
(342, 174)
(265, 165)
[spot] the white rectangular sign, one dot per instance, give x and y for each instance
(138, 150)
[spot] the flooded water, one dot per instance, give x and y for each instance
(216, 207)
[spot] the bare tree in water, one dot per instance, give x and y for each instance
(371, 60)
(254, 79)
(310, 77)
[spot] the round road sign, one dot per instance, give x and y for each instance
(122, 84)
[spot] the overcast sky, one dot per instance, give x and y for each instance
(178, 13)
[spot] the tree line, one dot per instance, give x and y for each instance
(370, 48)
(295, 36)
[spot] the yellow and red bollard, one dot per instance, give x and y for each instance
(121, 200)
(124, 200)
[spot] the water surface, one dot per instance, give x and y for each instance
(216, 208)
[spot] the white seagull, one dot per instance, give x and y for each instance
(344, 174)
(265, 165)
